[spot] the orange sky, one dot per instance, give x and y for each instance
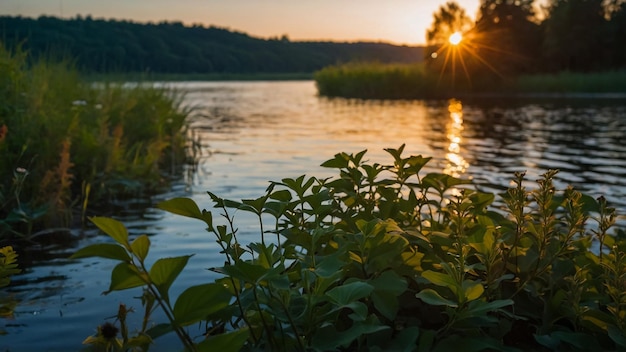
(395, 21)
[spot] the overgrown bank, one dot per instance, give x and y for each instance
(382, 257)
(417, 81)
(67, 144)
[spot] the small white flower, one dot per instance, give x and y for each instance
(21, 170)
(169, 120)
(79, 103)
(98, 106)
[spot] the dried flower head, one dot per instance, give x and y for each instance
(108, 331)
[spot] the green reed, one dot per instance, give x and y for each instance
(375, 81)
(68, 143)
(419, 81)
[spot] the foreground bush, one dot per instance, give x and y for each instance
(66, 143)
(384, 258)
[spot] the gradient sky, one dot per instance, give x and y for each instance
(395, 21)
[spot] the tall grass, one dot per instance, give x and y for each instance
(418, 81)
(375, 81)
(66, 142)
(571, 82)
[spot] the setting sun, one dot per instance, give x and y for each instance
(455, 38)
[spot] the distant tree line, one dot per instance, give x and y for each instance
(98, 45)
(511, 37)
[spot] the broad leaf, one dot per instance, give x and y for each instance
(328, 339)
(115, 229)
(348, 293)
(480, 307)
(441, 279)
(103, 250)
(125, 276)
(617, 335)
(165, 271)
(186, 207)
(141, 246)
(227, 342)
(472, 290)
(431, 297)
(198, 302)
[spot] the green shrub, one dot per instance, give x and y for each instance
(385, 258)
(66, 143)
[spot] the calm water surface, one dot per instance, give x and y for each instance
(254, 132)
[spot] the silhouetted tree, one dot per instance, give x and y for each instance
(507, 36)
(576, 35)
(441, 56)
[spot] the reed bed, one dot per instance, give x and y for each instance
(67, 144)
(418, 81)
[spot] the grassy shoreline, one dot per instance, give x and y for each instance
(382, 81)
(172, 77)
(68, 145)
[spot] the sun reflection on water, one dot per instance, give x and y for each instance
(456, 163)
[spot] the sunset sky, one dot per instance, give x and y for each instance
(395, 21)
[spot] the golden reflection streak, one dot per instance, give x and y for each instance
(457, 165)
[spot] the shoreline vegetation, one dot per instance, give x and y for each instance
(416, 81)
(383, 257)
(69, 146)
(197, 77)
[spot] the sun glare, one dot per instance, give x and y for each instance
(455, 38)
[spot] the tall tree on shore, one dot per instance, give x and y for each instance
(618, 34)
(507, 36)
(449, 19)
(576, 35)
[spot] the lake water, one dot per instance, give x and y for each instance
(254, 132)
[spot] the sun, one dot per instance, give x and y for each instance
(455, 38)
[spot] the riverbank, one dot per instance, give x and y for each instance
(68, 145)
(198, 77)
(381, 81)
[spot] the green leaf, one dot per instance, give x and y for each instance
(181, 206)
(328, 339)
(442, 182)
(198, 302)
(141, 340)
(115, 229)
(165, 271)
(441, 279)
(387, 287)
(329, 265)
(405, 341)
(480, 307)
(348, 293)
(431, 297)
(186, 207)
(245, 271)
(103, 250)
(386, 303)
(340, 161)
(125, 276)
(141, 246)
(617, 335)
(159, 330)
(227, 342)
(473, 290)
